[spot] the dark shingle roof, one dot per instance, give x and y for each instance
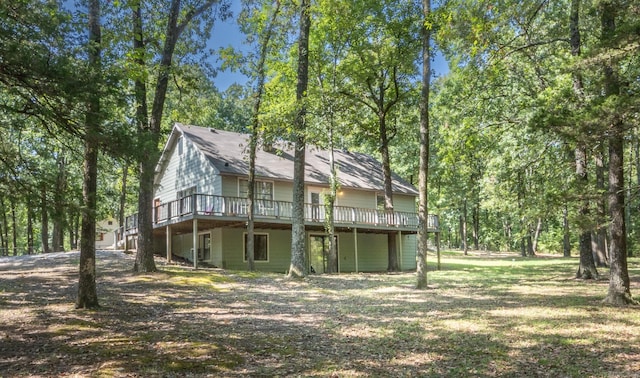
(228, 152)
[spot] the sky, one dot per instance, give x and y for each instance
(227, 33)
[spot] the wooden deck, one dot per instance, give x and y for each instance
(217, 211)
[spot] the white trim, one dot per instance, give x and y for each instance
(273, 186)
(244, 246)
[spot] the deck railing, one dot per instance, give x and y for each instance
(223, 206)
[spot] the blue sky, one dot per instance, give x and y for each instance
(227, 33)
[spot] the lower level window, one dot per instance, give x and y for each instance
(260, 247)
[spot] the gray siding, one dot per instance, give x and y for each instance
(187, 170)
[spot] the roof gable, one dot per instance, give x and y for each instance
(227, 152)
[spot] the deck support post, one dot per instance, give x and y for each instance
(438, 247)
(169, 252)
(400, 247)
(355, 246)
(195, 242)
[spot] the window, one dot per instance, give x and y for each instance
(188, 192)
(180, 146)
(99, 236)
(263, 191)
(380, 201)
(260, 247)
(185, 198)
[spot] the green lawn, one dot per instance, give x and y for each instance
(483, 315)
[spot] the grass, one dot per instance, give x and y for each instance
(483, 316)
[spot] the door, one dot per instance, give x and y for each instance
(319, 253)
(317, 205)
(204, 247)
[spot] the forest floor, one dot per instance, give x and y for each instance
(483, 315)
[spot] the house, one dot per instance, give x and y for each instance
(105, 233)
(200, 200)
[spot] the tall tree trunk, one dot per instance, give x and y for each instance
(44, 219)
(149, 136)
(475, 219)
(30, 217)
(123, 201)
(330, 200)
(463, 229)
(254, 137)
(619, 285)
(149, 125)
(14, 229)
(601, 255)
(4, 250)
(529, 241)
(388, 191)
(298, 267)
(59, 217)
(566, 240)
(587, 268)
(87, 294)
(536, 236)
(423, 174)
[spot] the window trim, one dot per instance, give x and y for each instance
(263, 203)
(244, 246)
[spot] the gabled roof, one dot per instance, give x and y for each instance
(228, 152)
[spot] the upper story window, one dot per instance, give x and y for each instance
(185, 196)
(263, 190)
(188, 192)
(380, 201)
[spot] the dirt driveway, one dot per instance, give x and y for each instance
(512, 319)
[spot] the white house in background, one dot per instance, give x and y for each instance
(200, 205)
(105, 233)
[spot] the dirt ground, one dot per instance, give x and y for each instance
(210, 322)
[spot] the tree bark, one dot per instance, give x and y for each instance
(388, 189)
(30, 217)
(330, 200)
(4, 236)
(463, 229)
(149, 125)
(298, 267)
(44, 219)
(587, 269)
(536, 236)
(254, 137)
(57, 239)
(123, 201)
(423, 174)
(475, 220)
(14, 229)
(566, 240)
(601, 255)
(619, 285)
(87, 294)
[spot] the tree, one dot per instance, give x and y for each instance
(619, 286)
(379, 66)
(148, 123)
(298, 266)
(423, 178)
(87, 294)
(260, 73)
(587, 268)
